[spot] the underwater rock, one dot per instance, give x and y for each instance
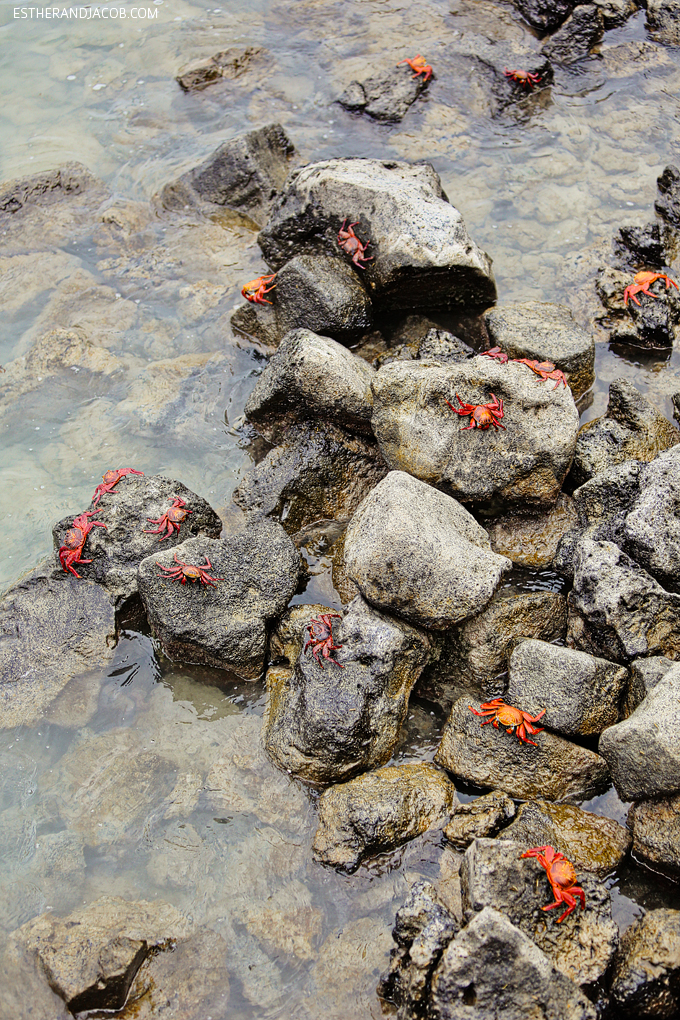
(482, 817)
(385, 96)
(229, 64)
(644, 981)
(72, 194)
(321, 293)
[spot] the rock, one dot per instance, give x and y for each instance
(423, 255)
(651, 324)
(256, 322)
(646, 969)
(342, 980)
(385, 96)
(493, 873)
(591, 842)
(544, 14)
(328, 723)
(651, 529)
(229, 64)
(522, 465)
(616, 12)
(574, 40)
(556, 769)
(543, 331)
(580, 693)
(318, 472)
(322, 293)
(27, 197)
(379, 811)
(440, 345)
(492, 969)
(641, 247)
(416, 552)
(53, 628)
(22, 981)
(642, 751)
(225, 625)
(497, 59)
(644, 676)
(663, 18)
(667, 204)
(117, 550)
(484, 816)
(244, 174)
(655, 826)
(532, 540)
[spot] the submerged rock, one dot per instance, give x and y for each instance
(482, 817)
(532, 540)
(227, 64)
(579, 34)
(70, 191)
(385, 96)
(655, 825)
(322, 293)
(647, 967)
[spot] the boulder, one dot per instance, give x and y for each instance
(579, 34)
(649, 324)
(227, 64)
(655, 826)
(667, 204)
(646, 973)
(531, 540)
(644, 676)
(522, 464)
(489, 757)
(385, 96)
(663, 18)
(545, 15)
(257, 323)
(651, 529)
(326, 723)
(422, 254)
(379, 811)
(641, 247)
(482, 817)
(255, 576)
(543, 331)
(323, 294)
(416, 552)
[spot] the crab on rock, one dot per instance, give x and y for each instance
(255, 290)
(110, 479)
(351, 245)
(561, 876)
(74, 541)
(545, 369)
(514, 718)
(641, 284)
(524, 78)
(497, 353)
(321, 638)
(418, 65)
(171, 519)
(184, 571)
(483, 415)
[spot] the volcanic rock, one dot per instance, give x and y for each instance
(482, 817)
(322, 293)
(647, 967)
(385, 96)
(574, 40)
(655, 825)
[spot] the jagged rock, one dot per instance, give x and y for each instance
(482, 817)
(574, 40)
(641, 247)
(651, 529)
(385, 96)
(591, 842)
(556, 769)
(318, 472)
(655, 825)
(644, 676)
(545, 15)
(522, 464)
(647, 967)
(649, 324)
(322, 293)
(667, 204)
(379, 811)
(440, 345)
(257, 322)
(326, 723)
(543, 331)
(579, 692)
(423, 256)
(663, 18)
(225, 625)
(532, 540)
(229, 64)
(416, 552)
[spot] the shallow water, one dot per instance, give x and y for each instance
(542, 188)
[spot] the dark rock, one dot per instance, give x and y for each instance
(322, 293)
(416, 552)
(482, 817)
(556, 769)
(651, 529)
(663, 18)
(532, 540)
(379, 811)
(641, 247)
(244, 174)
(229, 64)
(225, 625)
(574, 40)
(507, 89)
(667, 204)
(646, 973)
(439, 266)
(543, 331)
(386, 96)
(440, 345)
(653, 321)
(256, 322)
(616, 12)
(318, 472)
(326, 723)
(545, 15)
(644, 676)
(655, 825)
(117, 550)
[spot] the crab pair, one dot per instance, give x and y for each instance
(544, 369)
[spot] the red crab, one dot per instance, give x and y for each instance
(483, 415)
(514, 718)
(545, 369)
(171, 519)
(418, 65)
(74, 541)
(495, 352)
(187, 570)
(561, 876)
(111, 478)
(255, 290)
(524, 78)
(321, 638)
(351, 245)
(641, 284)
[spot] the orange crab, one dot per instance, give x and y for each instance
(641, 284)
(561, 876)
(483, 415)
(418, 65)
(524, 78)
(255, 290)
(321, 638)
(514, 718)
(171, 519)
(350, 243)
(545, 369)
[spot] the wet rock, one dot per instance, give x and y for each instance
(544, 14)
(379, 811)
(482, 817)
(655, 825)
(244, 174)
(342, 980)
(492, 969)
(641, 247)
(532, 540)
(440, 345)
(647, 968)
(556, 769)
(328, 723)
(71, 185)
(225, 625)
(423, 255)
(574, 40)
(524, 464)
(318, 472)
(543, 331)
(663, 18)
(644, 676)
(667, 204)
(649, 324)
(591, 842)
(229, 64)
(322, 293)
(580, 693)
(416, 552)
(385, 96)
(117, 550)
(53, 628)
(493, 873)
(651, 529)
(22, 981)
(616, 12)
(498, 59)
(257, 322)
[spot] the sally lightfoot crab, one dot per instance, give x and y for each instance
(184, 572)
(321, 638)
(171, 519)
(561, 876)
(351, 245)
(513, 718)
(255, 290)
(418, 65)
(641, 284)
(111, 478)
(544, 369)
(75, 538)
(524, 78)
(483, 415)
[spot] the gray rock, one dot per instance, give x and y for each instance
(651, 529)
(385, 96)
(379, 811)
(244, 174)
(67, 182)
(580, 693)
(545, 15)
(480, 754)
(326, 723)
(543, 331)
(256, 322)
(531, 540)
(616, 12)
(655, 825)
(579, 34)
(225, 625)
(440, 345)
(22, 981)
(482, 817)
(227, 64)
(523, 464)
(667, 204)
(416, 552)
(641, 247)
(609, 495)
(53, 628)
(642, 751)
(423, 255)
(663, 18)
(647, 967)
(322, 293)
(644, 676)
